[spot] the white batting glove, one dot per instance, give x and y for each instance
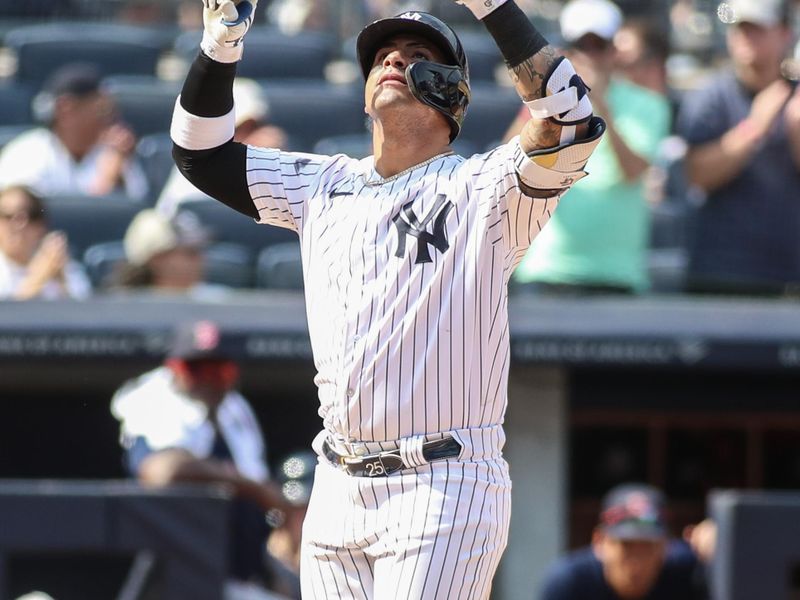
(226, 22)
(481, 8)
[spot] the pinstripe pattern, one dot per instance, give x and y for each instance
(403, 347)
(437, 531)
(406, 294)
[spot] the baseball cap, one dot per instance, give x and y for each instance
(74, 79)
(634, 512)
(151, 233)
(296, 475)
(250, 101)
(766, 13)
(580, 17)
(199, 340)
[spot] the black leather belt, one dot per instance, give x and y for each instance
(387, 462)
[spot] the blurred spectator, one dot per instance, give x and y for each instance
(293, 16)
(642, 49)
(186, 422)
(82, 150)
(596, 242)
(252, 111)
(631, 556)
(743, 131)
(34, 262)
(166, 256)
(38, 8)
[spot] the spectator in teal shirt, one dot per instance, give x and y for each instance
(597, 240)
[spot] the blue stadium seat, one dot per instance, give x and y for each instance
(101, 261)
(490, 113)
(114, 48)
(226, 263)
(482, 55)
(271, 54)
(354, 145)
(280, 267)
(154, 152)
(227, 225)
(15, 98)
(89, 220)
(310, 110)
(144, 102)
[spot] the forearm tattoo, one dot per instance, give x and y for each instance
(528, 76)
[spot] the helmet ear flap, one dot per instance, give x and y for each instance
(444, 88)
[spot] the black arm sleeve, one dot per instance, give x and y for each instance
(515, 35)
(220, 172)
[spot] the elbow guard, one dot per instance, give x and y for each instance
(555, 170)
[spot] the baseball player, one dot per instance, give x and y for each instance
(406, 258)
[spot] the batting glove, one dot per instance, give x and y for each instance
(226, 22)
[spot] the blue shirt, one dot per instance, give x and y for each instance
(579, 576)
(747, 230)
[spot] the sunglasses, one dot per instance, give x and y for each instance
(27, 216)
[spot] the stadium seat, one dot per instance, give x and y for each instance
(226, 263)
(113, 48)
(144, 102)
(310, 110)
(490, 113)
(154, 152)
(227, 225)
(482, 55)
(271, 54)
(280, 267)
(229, 264)
(101, 260)
(89, 220)
(15, 98)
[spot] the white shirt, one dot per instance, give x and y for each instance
(76, 283)
(152, 408)
(39, 160)
(404, 347)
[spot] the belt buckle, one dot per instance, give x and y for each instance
(378, 465)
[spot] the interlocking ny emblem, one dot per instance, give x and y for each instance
(407, 223)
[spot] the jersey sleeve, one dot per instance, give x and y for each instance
(514, 215)
(281, 183)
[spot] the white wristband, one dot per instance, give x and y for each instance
(216, 51)
(200, 133)
(481, 8)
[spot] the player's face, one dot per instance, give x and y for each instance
(631, 567)
(386, 83)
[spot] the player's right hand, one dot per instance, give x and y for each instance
(226, 22)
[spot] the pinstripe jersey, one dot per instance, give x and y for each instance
(405, 282)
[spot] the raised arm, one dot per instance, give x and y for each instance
(203, 121)
(562, 133)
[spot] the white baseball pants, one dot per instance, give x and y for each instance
(434, 532)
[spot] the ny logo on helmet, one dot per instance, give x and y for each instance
(407, 223)
(413, 16)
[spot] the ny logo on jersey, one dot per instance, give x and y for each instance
(407, 223)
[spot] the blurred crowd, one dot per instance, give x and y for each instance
(693, 190)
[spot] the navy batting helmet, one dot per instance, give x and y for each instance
(443, 87)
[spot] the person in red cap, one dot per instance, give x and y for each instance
(631, 556)
(186, 422)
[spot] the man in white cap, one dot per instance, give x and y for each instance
(598, 243)
(743, 131)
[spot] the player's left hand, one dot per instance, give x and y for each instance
(226, 22)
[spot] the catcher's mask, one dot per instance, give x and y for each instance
(443, 87)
